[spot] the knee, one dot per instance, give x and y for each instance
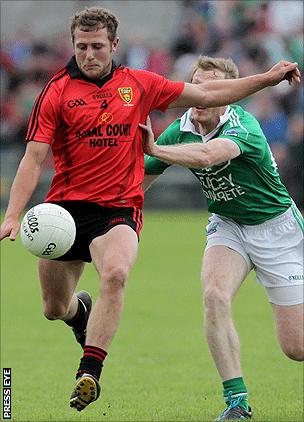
(216, 299)
(53, 311)
(114, 278)
(294, 352)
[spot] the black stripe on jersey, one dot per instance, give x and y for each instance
(36, 111)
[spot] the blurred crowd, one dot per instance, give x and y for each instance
(255, 34)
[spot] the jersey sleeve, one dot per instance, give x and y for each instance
(167, 92)
(246, 132)
(45, 115)
(170, 136)
(159, 91)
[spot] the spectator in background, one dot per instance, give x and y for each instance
(137, 54)
(266, 108)
(272, 119)
(20, 47)
(160, 61)
(285, 17)
(295, 47)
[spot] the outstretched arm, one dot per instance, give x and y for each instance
(24, 184)
(194, 155)
(217, 93)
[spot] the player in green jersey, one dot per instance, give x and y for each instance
(254, 224)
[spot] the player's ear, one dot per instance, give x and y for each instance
(115, 44)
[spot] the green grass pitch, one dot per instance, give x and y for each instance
(159, 367)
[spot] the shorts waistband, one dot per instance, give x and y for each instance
(284, 217)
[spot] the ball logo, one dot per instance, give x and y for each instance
(49, 249)
(32, 221)
(26, 232)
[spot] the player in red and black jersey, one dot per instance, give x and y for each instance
(89, 114)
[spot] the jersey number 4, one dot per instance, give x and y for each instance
(104, 104)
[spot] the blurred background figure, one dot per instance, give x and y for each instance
(167, 40)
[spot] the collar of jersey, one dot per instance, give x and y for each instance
(75, 73)
(186, 124)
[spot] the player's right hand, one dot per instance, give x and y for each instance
(284, 70)
(148, 137)
(9, 228)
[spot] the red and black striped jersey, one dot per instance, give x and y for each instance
(92, 127)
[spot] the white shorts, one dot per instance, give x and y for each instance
(274, 249)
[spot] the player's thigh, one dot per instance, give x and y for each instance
(58, 279)
(223, 271)
(115, 252)
(290, 328)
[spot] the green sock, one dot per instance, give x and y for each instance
(238, 388)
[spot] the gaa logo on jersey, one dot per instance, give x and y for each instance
(76, 103)
(126, 94)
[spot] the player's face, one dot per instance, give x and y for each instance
(207, 116)
(94, 52)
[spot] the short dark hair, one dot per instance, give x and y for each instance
(93, 19)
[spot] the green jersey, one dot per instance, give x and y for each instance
(247, 188)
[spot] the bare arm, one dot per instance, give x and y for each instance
(148, 180)
(25, 182)
(197, 155)
(217, 93)
(194, 155)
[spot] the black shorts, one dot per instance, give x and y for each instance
(93, 220)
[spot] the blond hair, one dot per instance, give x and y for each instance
(226, 66)
(93, 19)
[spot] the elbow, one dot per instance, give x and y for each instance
(202, 162)
(201, 157)
(206, 163)
(205, 159)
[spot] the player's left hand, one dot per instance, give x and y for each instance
(284, 70)
(148, 137)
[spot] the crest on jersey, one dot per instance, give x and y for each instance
(126, 94)
(105, 117)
